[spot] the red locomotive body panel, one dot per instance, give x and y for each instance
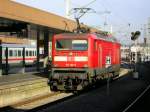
(93, 57)
(67, 58)
(83, 56)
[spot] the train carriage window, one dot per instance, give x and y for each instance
(69, 44)
(30, 53)
(27, 54)
(19, 53)
(3, 53)
(14, 52)
(10, 53)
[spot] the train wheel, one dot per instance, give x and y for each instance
(115, 75)
(85, 83)
(53, 86)
(76, 92)
(79, 87)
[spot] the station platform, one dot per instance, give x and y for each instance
(15, 79)
(17, 87)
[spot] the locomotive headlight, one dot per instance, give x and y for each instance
(85, 65)
(81, 58)
(55, 65)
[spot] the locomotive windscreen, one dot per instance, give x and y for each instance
(71, 44)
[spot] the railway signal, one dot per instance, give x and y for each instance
(135, 35)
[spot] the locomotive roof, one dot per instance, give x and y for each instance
(97, 36)
(107, 38)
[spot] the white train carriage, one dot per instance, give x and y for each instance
(15, 54)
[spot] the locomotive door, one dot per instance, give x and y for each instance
(99, 55)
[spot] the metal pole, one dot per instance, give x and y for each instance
(1, 59)
(67, 8)
(46, 50)
(23, 62)
(6, 65)
(111, 29)
(38, 51)
(108, 85)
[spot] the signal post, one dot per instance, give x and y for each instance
(37, 47)
(46, 50)
(0, 59)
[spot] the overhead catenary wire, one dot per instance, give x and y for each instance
(114, 12)
(85, 6)
(89, 3)
(102, 12)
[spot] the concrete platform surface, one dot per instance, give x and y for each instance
(12, 80)
(17, 87)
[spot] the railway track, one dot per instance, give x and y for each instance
(51, 98)
(136, 103)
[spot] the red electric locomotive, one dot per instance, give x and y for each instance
(80, 59)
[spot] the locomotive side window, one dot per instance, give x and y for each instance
(69, 44)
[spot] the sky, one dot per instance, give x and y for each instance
(125, 15)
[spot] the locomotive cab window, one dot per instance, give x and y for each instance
(70, 44)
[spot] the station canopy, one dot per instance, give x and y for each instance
(14, 15)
